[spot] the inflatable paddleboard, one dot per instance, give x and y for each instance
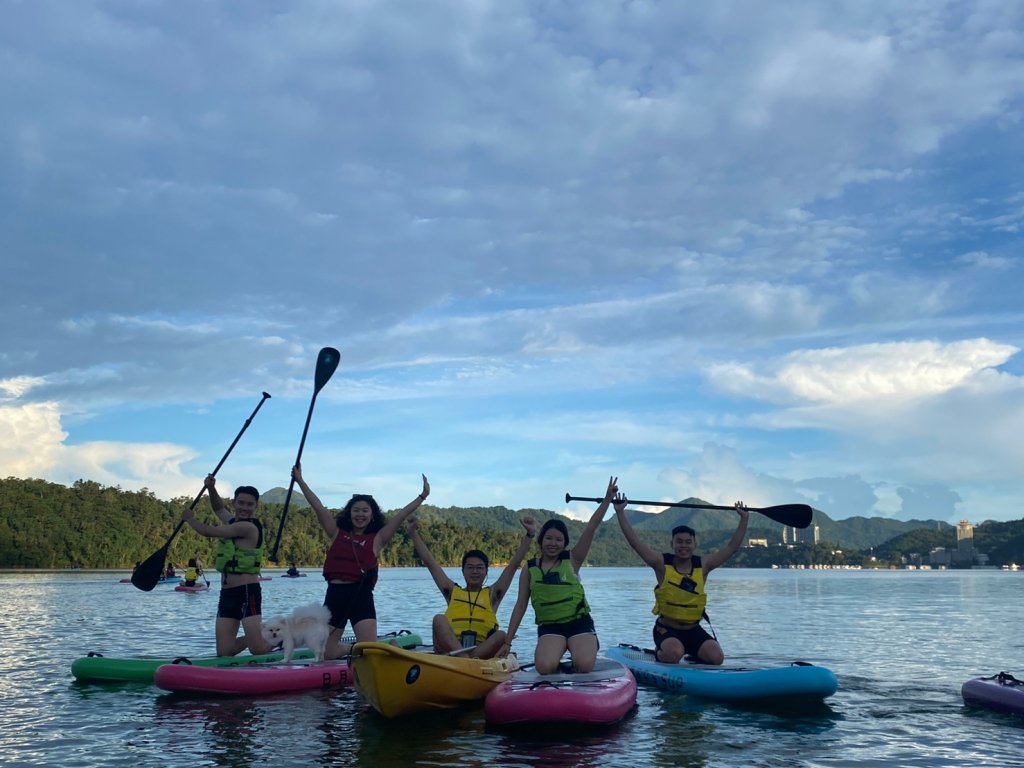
(193, 588)
(97, 668)
(1002, 693)
(601, 697)
(797, 682)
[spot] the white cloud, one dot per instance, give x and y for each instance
(872, 373)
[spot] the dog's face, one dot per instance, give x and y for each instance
(275, 631)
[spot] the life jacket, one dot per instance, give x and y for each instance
(234, 559)
(557, 595)
(680, 596)
(191, 574)
(350, 558)
(471, 612)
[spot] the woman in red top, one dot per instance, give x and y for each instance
(357, 537)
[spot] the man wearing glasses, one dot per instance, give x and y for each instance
(471, 620)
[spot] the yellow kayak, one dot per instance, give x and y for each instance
(398, 682)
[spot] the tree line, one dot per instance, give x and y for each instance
(88, 525)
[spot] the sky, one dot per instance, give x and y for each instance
(732, 250)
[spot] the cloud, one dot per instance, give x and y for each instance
(877, 373)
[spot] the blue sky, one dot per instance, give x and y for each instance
(738, 250)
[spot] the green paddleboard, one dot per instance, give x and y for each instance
(97, 668)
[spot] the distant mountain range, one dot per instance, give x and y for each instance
(851, 533)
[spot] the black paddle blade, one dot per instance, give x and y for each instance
(326, 364)
(795, 515)
(149, 572)
(147, 575)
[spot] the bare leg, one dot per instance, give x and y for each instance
(671, 651)
(252, 626)
(444, 638)
(366, 631)
(583, 649)
(227, 637)
(549, 652)
(335, 649)
(711, 652)
(489, 648)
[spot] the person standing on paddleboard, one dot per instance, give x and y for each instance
(680, 597)
(239, 557)
(552, 585)
(357, 537)
(471, 620)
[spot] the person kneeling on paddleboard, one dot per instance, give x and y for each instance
(679, 598)
(551, 583)
(239, 556)
(471, 620)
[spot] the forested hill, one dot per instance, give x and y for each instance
(47, 525)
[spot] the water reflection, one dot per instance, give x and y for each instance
(230, 734)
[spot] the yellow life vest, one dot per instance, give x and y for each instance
(680, 596)
(471, 612)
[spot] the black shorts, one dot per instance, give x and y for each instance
(240, 602)
(350, 603)
(692, 638)
(582, 626)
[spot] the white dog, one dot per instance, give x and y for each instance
(308, 626)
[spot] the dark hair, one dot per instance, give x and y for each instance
(684, 529)
(247, 489)
(344, 520)
(477, 554)
(192, 563)
(558, 525)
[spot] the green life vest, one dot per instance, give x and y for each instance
(557, 595)
(234, 559)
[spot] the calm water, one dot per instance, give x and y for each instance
(901, 644)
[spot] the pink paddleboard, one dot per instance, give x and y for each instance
(253, 678)
(600, 697)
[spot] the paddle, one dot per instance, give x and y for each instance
(326, 364)
(147, 575)
(795, 515)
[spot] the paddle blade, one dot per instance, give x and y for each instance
(149, 572)
(795, 515)
(326, 364)
(147, 575)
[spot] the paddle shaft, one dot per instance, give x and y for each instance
(154, 564)
(795, 515)
(326, 363)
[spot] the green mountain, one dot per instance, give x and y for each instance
(47, 525)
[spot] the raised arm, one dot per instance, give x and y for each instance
(220, 509)
(579, 552)
(234, 530)
(518, 610)
(327, 521)
(504, 581)
(715, 559)
(648, 555)
(444, 583)
(384, 536)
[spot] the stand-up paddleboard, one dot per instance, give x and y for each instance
(600, 697)
(796, 682)
(97, 668)
(254, 679)
(197, 587)
(1002, 693)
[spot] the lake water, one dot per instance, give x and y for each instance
(901, 644)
